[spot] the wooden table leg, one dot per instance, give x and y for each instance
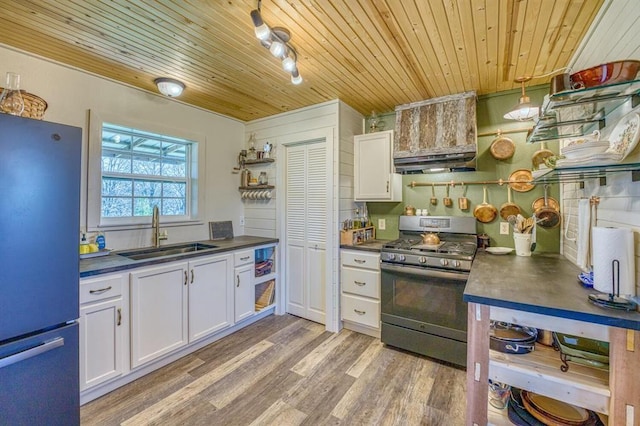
(477, 364)
(624, 370)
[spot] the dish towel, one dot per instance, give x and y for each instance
(584, 235)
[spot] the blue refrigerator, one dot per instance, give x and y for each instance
(39, 228)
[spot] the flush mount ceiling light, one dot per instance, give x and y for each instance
(525, 110)
(169, 86)
(276, 39)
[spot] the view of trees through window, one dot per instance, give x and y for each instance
(141, 170)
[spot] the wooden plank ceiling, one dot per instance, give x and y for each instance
(372, 54)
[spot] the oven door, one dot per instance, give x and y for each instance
(424, 300)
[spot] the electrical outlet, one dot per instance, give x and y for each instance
(241, 220)
(504, 228)
(382, 224)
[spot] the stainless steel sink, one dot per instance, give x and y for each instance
(151, 252)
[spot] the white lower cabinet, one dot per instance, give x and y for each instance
(360, 283)
(134, 322)
(159, 301)
(102, 329)
(244, 292)
(210, 295)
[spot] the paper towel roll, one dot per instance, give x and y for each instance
(613, 244)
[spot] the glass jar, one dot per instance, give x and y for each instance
(11, 101)
(262, 179)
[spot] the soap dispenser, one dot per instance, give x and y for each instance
(84, 244)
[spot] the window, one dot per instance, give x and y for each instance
(135, 166)
(141, 170)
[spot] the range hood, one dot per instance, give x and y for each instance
(436, 162)
(436, 135)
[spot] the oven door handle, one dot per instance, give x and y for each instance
(424, 272)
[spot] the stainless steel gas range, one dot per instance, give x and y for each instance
(422, 286)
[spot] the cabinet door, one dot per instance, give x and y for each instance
(158, 312)
(244, 293)
(373, 167)
(210, 295)
(101, 346)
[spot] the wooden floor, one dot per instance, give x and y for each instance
(284, 370)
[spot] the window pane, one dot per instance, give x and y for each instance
(174, 169)
(116, 187)
(144, 165)
(115, 163)
(116, 207)
(174, 190)
(144, 206)
(145, 188)
(175, 207)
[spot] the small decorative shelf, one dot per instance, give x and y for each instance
(260, 161)
(249, 188)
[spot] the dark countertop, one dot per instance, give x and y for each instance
(545, 283)
(114, 263)
(371, 245)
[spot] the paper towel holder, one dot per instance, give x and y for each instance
(613, 299)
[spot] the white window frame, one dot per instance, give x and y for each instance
(95, 221)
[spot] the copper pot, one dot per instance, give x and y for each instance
(502, 148)
(448, 202)
(548, 216)
(463, 202)
(430, 239)
(509, 208)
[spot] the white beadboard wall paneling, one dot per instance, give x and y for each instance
(613, 36)
(71, 93)
(350, 123)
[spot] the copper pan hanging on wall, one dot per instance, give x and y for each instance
(502, 147)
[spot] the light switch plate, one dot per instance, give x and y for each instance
(504, 228)
(382, 224)
(241, 220)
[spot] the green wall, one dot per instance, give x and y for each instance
(490, 110)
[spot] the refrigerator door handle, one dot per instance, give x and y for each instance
(30, 353)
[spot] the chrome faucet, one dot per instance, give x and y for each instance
(155, 224)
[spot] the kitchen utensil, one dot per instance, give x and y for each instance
(549, 216)
(559, 83)
(534, 233)
(520, 180)
(502, 147)
(463, 202)
(499, 250)
(545, 337)
(499, 394)
(605, 74)
(539, 203)
(430, 239)
(624, 137)
(434, 200)
(539, 156)
(509, 208)
(485, 212)
(581, 350)
(511, 338)
(553, 412)
(409, 210)
(518, 413)
(448, 202)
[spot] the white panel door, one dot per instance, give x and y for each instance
(158, 312)
(210, 295)
(306, 223)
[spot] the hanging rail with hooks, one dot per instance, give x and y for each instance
(453, 184)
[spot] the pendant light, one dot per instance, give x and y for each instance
(524, 110)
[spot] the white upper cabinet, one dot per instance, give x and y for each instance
(373, 169)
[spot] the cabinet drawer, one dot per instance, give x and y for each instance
(94, 289)
(362, 282)
(360, 310)
(243, 257)
(361, 259)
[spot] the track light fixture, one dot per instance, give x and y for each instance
(276, 39)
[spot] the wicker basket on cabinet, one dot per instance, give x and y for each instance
(34, 106)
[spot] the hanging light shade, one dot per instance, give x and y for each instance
(169, 86)
(524, 110)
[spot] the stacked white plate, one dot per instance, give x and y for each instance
(585, 149)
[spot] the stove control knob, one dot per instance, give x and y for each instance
(422, 259)
(455, 263)
(401, 258)
(444, 262)
(391, 256)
